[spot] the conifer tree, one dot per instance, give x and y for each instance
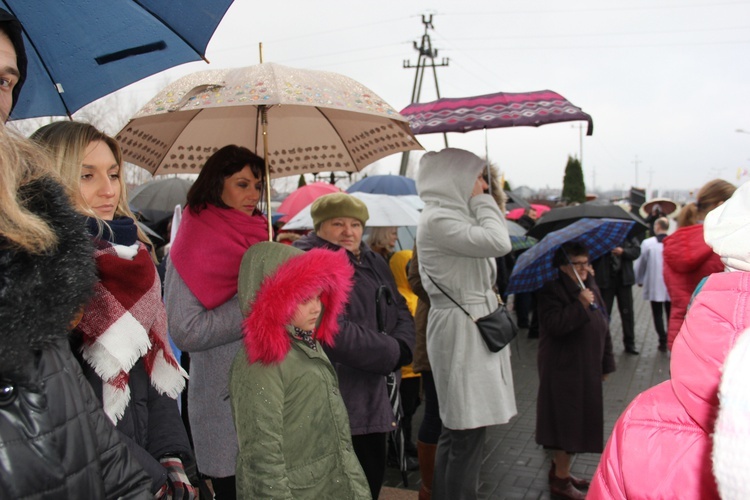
(574, 188)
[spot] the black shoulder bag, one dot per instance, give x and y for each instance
(497, 328)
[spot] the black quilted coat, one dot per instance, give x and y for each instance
(55, 440)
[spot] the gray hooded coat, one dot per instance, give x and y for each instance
(458, 238)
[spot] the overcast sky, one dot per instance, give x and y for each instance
(666, 81)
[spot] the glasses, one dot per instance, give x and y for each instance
(580, 265)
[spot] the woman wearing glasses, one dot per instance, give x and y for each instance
(574, 357)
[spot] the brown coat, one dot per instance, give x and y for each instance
(421, 362)
(575, 351)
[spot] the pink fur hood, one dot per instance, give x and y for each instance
(283, 288)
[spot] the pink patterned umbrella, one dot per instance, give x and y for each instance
(503, 109)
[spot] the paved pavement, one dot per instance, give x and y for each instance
(515, 467)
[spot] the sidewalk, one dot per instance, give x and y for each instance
(515, 467)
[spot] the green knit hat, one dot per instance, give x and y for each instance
(338, 205)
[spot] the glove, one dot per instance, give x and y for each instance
(179, 484)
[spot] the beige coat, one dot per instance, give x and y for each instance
(458, 238)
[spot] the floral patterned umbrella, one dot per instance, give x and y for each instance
(316, 121)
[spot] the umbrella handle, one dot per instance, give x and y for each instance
(380, 308)
(593, 305)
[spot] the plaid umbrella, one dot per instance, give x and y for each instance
(534, 267)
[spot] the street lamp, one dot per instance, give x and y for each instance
(741, 131)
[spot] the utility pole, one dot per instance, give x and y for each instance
(426, 52)
(636, 162)
(650, 172)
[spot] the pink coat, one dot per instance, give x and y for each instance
(660, 446)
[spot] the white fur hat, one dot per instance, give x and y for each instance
(726, 229)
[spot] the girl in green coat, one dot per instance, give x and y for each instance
(292, 426)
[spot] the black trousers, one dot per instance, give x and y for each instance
(659, 323)
(410, 401)
(370, 450)
(624, 294)
(225, 488)
(432, 425)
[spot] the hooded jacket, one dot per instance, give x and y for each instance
(292, 425)
(362, 354)
(661, 445)
(687, 260)
(458, 238)
(55, 439)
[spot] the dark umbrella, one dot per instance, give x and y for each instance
(534, 267)
(515, 201)
(160, 195)
(385, 184)
(81, 50)
(518, 238)
(384, 298)
(558, 218)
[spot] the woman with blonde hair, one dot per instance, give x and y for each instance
(77, 138)
(56, 440)
(383, 240)
(687, 257)
(121, 340)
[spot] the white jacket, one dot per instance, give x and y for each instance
(649, 271)
(457, 240)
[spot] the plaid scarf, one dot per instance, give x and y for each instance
(126, 321)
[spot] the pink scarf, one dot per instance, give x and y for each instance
(208, 250)
(124, 322)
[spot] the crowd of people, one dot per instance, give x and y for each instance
(307, 359)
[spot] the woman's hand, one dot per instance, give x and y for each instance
(479, 186)
(586, 297)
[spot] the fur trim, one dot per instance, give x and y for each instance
(296, 280)
(41, 294)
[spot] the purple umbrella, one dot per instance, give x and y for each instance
(503, 109)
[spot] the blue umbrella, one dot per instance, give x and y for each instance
(395, 185)
(81, 50)
(534, 267)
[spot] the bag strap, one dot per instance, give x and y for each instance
(451, 298)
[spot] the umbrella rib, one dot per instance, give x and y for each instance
(338, 134)
(165, 23)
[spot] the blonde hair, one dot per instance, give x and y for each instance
(379, 239)
(21, 162)
(66, 142)
(496, 190)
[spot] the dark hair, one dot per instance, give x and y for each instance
(222, 164)
(12, 28)
(571, 249)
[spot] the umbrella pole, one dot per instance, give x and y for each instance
(264, 126)
(487, 160)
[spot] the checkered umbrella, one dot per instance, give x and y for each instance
(534, 267)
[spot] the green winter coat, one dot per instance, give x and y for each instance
(292, 425)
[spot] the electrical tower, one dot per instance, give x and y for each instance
(426, 52)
